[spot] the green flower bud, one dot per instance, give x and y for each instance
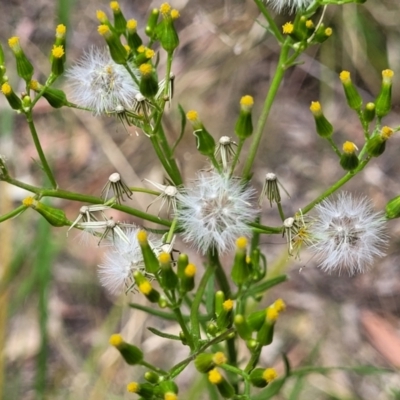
(183, 261)
(144, 54)
(205, 362)
(57, 64)
(134, 40)
(165, 30)
(369, 112)
(354, 99)
(323, 126)
(377, 144)
(224, 319)
(142, 389)
(240, 271)
(130, 353)
(384, 100)
(244, 124)
(224, 387)
(219, 301)
(53, 216)
(260, 377)
(349, 160)
(168, 278)
(212, 328)
(323, 33)
(148, 82)
(12, 98)
(152, 22)
(242, 327)
(119, 19)
(152, 377)
(55, 97)
(168, 387)
(205, 142)
(150, 260)
(187, 281)
(146, 288)
(117, 51)
(24, 66)
(393, 208)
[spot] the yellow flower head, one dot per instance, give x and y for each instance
(190, 270)
(214, 377)
(58, 51)
(287, 28)
(349, 147)
(269, 375)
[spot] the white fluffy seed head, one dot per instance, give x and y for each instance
(100, 84)
(122, 259)
(347, 234)
(215, 212)
(291, 5)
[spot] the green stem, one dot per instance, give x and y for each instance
(280, 71)
(12, 213)
(45, 165)
(153, 368)
(220, 274)
(334, 147)
(63, 194)
(269, 230)
(195, 310)
(335, 186)
(272, 25)
(185, 330)
(281, 213)
(255, 355)
(237, 155)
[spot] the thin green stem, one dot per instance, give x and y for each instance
(334, 147)
(237, 155)
(272, 25)
(281, 213)
(43, 160)
(195, 310)
(255, 355)
(257, 135)
(222, 279)
(189, 338)
(335, 186)
(269, 230)
(63, 194)
(12, 213)
(153, 368)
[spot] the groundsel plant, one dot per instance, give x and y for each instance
(217, 211)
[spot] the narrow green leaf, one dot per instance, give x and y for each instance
(262, 287)
(163, 335)
(183, 126)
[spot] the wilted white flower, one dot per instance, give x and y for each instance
(215, 212)
(124, 258)
(100, 84)
(291, 5)
(347, 234)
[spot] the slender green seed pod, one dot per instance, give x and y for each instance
(383, 102)
(354, 100)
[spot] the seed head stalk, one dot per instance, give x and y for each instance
(278, 77)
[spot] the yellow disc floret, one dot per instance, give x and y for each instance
(316, 107)
(170, 396)
(349, 147)
(165, 8)
(328, 31)
(272, 314)
(269, 375)
(145, 69)
(279, 305)
(34, 85)
(241, 243)
(345, 76)
(145, 287)
(214, 377)
(192, 115)
(247, 100)
(386, 132)
(104, 30)
(101, 16)
(164, 258)
(13, 42)
(228, 305)
(114, 6)
(28, 201)
(57, 51)
(309, 24)
(219, 358)
(175, 14)
(190, 270)
(149, 53)
(132, 387)
(287, 28)
(116, 340)
(142, 237)
(61, 30)
(6, 89)
(131, 24)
